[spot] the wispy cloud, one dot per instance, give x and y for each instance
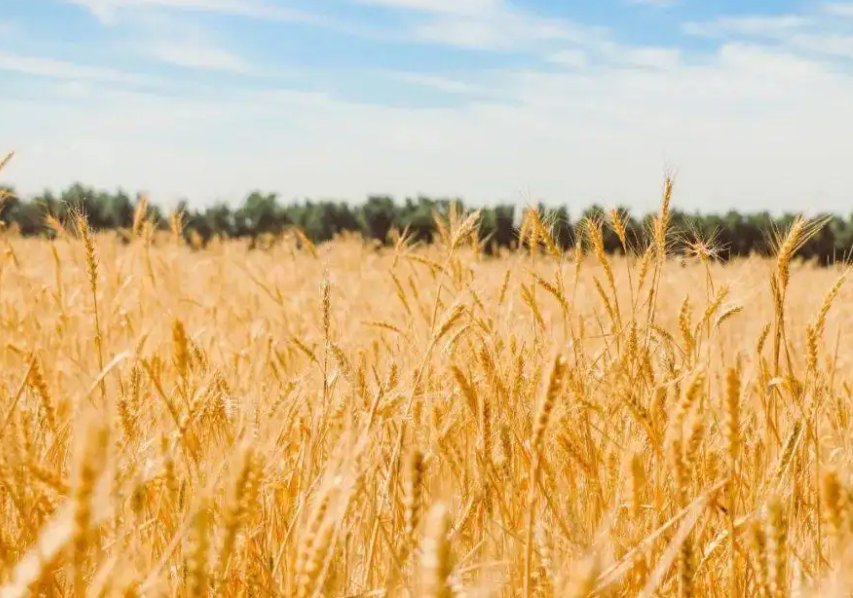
(503, 30)
(178, 41)
(109, 11)
(817, 34)
(830, 44)
(198, 56)
(655, 58)
(576, 59)
(759, 26)
(607, 54)
(773, 65)
(841, 9)
(61, 69)
(464, 33)
(436, 82)
(728, 125)
(441, 6)
(560, 41)
(549, 103)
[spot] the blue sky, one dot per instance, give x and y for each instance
(750, 103)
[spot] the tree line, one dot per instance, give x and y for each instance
(262, 214)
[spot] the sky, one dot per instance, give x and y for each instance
(749, 104)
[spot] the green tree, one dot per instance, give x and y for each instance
(378, 216)
(260, 213)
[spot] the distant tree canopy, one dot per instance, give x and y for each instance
(733, 234)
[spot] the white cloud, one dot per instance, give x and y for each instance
(748, 126)
(503, 30)
(841, 9)
(463, 33)
(60, 69)
(576, 59)
(447, 6)
(559, 41)
(640, 56)
(108, 11)
(831, 44)
(606, 53)
(76, 89)
(660, 58)
(198, 56)
(473, 24)
(762, 26)
(804, 34)
(751, 128)
(436, 82)
(181, 42)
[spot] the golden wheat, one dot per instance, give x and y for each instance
(183, 422)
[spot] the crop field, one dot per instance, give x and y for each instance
(347, 421)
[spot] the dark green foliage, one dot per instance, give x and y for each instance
(497, 228)
(417, 215)
(378, 216)
(731, 234)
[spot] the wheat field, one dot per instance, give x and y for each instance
(352, 421)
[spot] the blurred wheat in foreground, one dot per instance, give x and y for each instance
(342, 421)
